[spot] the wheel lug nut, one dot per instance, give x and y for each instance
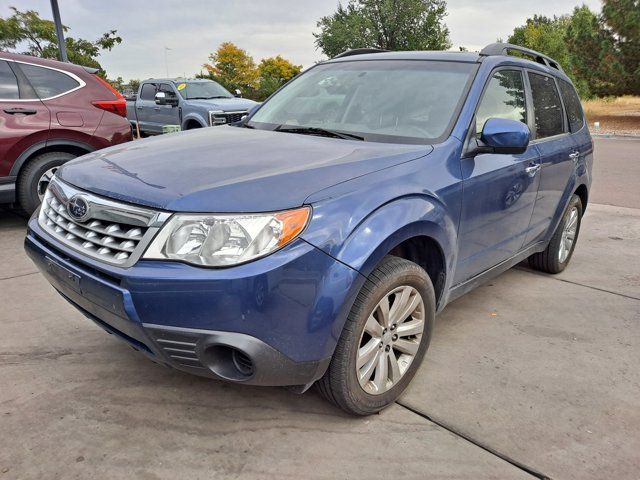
(380, 345)
(394, 338)
(387, 348)
(384, 330)
(393, 327)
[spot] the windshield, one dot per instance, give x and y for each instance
(398, 101)
(202, 90)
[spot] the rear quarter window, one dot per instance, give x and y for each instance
(572, 106)
(47, 82)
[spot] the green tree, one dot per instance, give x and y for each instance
(622, 19)
(595, 65)
(579, 44)
(233, 68)
(274, 72)
(385, 24)
(134, 84)
(27, 33)
(545, 35)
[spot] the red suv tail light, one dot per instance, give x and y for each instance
(118, 106)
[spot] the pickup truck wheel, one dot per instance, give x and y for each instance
(384, 339)
(557, 255)
(35, 177)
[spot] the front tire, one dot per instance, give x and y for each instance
(384, 339)
(557, 255)
(35, 177)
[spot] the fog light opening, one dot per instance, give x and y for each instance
(228, 362)
(242, 362)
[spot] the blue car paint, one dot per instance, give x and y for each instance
(213, 169)
(367, 198)
(501, 133)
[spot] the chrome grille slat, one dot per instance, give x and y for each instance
(113, 231)
(76, 231)
(224, 118)
(103, 231)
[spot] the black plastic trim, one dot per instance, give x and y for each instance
(36, 147)
(270, 367)
(7, 189)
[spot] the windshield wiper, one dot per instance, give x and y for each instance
(322, 132)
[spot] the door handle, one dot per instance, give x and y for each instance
(156, 108)
(574, 156)
(139, 107)
(533, 169)
(23, 111)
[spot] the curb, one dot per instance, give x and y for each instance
(615, 135)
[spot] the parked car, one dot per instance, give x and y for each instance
(190, 103)
(50, 113)
(315, 242)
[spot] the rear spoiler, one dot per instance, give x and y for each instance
(90, 69)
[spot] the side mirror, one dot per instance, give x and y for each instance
(238, 93)
(162, 99)
(501, 135)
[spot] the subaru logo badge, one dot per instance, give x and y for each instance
(78, 208)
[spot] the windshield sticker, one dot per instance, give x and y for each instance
(182, 86)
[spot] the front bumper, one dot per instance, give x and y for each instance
(275, 321)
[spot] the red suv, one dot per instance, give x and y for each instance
(51, 112)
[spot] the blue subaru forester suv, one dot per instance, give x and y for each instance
(315, 241)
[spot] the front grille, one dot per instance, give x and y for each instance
(222, 118)
(115, 241)
(113, 232)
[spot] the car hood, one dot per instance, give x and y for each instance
(224, 104)
(229, 169)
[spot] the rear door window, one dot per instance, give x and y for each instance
(572, 105)
(504, 97)
(48, 83)
(148, 91)
(8, 83)
(547, 107)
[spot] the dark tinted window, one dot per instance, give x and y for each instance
(46, 82)
(148, 91)
(167, 89)
(8, 82)
(503, 98)
(547, 107)
(572, 106)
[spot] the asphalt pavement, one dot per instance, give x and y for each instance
(528, 376)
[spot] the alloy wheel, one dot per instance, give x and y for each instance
(390, 340)
(44, 181)
(568, 235)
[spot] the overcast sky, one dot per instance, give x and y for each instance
(194, 28)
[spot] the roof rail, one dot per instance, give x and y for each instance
(359, 51)
(504, 48)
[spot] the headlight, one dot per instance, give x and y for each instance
(224, 240)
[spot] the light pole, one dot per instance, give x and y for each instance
(59, 33)
(166, 62)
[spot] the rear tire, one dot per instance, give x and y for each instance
(31, 182)
(557, 255)
(397, 283)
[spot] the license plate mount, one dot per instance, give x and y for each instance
(64, 275)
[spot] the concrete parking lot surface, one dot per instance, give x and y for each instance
(528, 376)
